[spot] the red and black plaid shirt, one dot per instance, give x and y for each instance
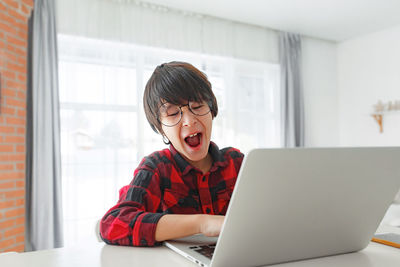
(165, 183)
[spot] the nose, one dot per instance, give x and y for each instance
(188, 118)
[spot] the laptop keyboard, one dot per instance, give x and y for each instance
(205, 250)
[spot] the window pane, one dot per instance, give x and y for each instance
(98, 157)
(104, 131)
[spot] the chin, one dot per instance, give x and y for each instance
(197, 155)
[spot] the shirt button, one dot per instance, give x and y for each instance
(208, 210)
(204, 179)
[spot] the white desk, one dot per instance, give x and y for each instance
(101, 255)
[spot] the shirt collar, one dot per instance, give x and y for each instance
(184, 166)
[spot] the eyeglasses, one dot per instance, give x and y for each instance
(170, 115)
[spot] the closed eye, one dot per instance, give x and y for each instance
(173, 114)
(197, 107)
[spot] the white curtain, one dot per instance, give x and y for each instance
(44, 223)
(149, 25)
(292, 104)
(107, 52)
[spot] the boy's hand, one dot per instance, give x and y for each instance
(210, 225)
(173, 226)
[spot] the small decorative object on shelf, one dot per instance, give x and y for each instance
(384, 108)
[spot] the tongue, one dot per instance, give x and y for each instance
(193, 141)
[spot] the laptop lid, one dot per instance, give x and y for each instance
(292, 204)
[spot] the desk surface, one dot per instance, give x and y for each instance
(100, 254)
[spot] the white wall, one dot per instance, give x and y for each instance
(368, 71)
(319, 63)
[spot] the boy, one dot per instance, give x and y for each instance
(183, 190)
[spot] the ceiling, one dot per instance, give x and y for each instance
(335, 20)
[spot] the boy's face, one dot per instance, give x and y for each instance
(191, 136)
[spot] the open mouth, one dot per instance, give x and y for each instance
(193, 140)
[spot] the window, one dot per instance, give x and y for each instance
(104, 132)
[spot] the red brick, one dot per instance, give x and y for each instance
(11, 3)
(23, 89)
(6, 167)
(21, 130)
(20, 166)
(15, 85)
(17, 15)
(20, 148)
(6, 148)
(15, 212)
(6, 129)
(8, 74)
(20, 27)
(21, 113)
(7, 224)
(10, 57)
(28, 2)
(8, 92)
(21, 95)
(14, 231)
(15, 121)
(5, 205)
(14, 139)
(22, 52)
(12, 175)
(10, 47)
(7, 243)
(20, 220)
(22, 77)
(22, 34)
(6, 18)
(20, 184)
(13, 67)
(7, 185)
(20, 238)
(7, 29)
(25, 10)
(19, 202)
(21, 61)
(16, 248)
(2, 6)
(8, 111)
(16, 67)
(12, 157)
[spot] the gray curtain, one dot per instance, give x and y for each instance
(43, 163)
(291, 88)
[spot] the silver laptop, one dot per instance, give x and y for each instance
(293, 204)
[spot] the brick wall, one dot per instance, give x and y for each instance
(14, 15)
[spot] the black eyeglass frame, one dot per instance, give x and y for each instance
(181, 113)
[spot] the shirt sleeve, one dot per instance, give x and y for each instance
(133, 220)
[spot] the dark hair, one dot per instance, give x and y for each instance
(176, 83)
